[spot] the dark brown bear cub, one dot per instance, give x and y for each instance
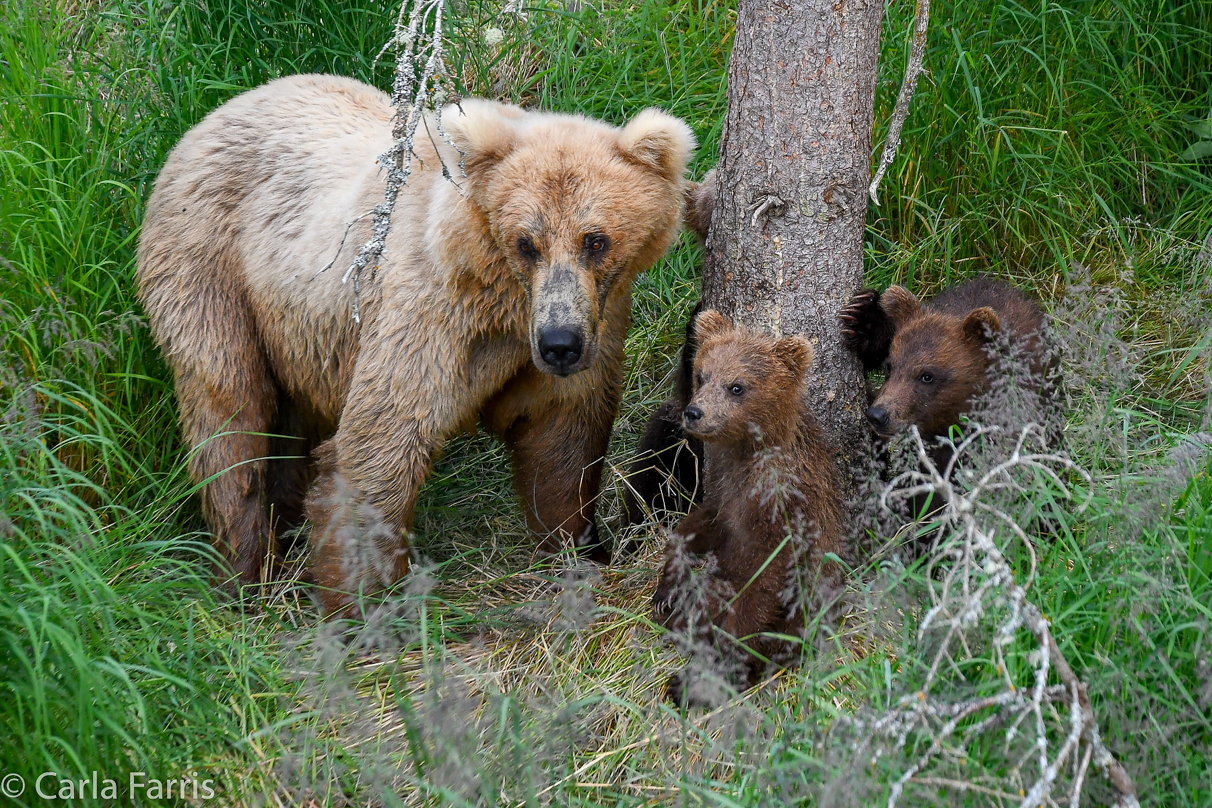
(938, 353)
(663, 475)
(771, 508)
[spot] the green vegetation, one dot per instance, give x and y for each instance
(1047, 135)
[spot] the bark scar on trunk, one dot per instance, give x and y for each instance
(840, 196)
(767, 205)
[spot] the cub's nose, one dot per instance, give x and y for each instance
(561, 348)
(692, 414)
(879, 417)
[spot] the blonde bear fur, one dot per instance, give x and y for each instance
(240, 269)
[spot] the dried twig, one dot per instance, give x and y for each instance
(419, 45)
(912, 70)
(977, 581)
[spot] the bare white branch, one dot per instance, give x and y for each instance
(420, 85)
(974, 587)
(913, 69)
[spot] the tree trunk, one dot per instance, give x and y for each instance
(786, 245)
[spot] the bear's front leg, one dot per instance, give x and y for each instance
(414, 387)
(557, 433)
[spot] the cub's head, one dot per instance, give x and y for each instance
(577, 209)
(743, 381)
(936, 365)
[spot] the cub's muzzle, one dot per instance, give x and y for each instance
(880, 418)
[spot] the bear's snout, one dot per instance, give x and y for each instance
(880, 419)
(561, 348)
(563, 325)
(692, 414)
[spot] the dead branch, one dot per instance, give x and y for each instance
(977, 581)
(420, 46)
(912, 70)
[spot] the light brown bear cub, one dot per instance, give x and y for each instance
(503, 295)
(769, 473)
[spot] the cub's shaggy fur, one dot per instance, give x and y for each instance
(664, 474)
(503, 295)
(769, 473)
(937, 353)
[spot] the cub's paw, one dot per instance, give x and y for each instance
(859, 316)
(689, 689)
(663, 606)
(866, 328)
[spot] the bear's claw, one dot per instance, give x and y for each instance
(866, 329)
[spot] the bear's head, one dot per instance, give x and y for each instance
(937, 364)
(746, 385)
(577, 209)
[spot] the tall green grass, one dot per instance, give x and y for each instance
(1046, 133)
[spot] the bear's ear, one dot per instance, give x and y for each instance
(484, 132)
(700, 201)
(796, 352)
(900, 305)
(709, 323)
(982, 324)
(658, 141)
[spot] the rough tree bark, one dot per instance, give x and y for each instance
(786, 245)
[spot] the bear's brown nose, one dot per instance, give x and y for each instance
(560, 348)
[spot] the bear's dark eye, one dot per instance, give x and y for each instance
(926, 378)
(737, 389)
(527, 249)
(596, 244)
(698, 379)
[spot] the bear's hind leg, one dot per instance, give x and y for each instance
(226, 419)
(291, 470)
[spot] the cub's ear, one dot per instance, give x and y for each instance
(900, 305)
(708, 323)
(982, 324)
(484, 132)
(700, 201)
(796, 352)
(658, 141)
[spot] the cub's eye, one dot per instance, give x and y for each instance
(698, 380)
(736, 389)
(596, 244)
(926, 378)
(527, 249)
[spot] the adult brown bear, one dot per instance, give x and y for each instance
(503, 295)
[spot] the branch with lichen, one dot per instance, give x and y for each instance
(913, 70)
(420, 85)
(974, 587)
